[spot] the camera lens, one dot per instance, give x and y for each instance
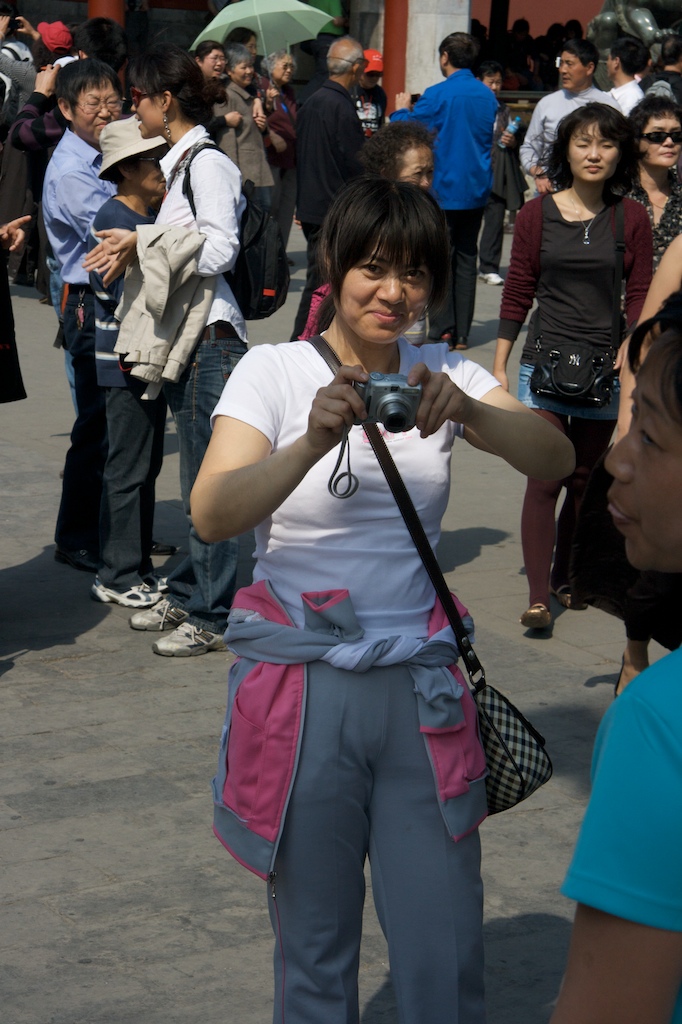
(394, 412)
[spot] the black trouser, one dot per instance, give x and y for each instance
(135, 427)
(312, 281)
(490, 244)
(464, 226)
(78, 519)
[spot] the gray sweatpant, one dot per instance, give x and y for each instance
(365, 787)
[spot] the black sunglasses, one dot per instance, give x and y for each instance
(659, 137)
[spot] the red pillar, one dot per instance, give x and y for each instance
(396, 14)
(114, 9)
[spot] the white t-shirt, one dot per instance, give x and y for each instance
(316, 542)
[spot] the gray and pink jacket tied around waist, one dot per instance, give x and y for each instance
(261, 737)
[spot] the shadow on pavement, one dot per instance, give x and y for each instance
(522, 977)
(459, 547)
(45, 605)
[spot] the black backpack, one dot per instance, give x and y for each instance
(260, 278)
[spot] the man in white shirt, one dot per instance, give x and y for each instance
(579, 59)
(627, 57)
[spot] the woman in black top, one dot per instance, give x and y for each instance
(564, 256)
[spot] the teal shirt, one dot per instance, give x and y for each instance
(628, 859)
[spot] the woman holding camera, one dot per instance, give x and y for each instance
(323, 763)
(564, 254)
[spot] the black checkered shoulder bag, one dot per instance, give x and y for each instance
(518, 763)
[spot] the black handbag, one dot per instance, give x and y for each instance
(577, 371)
(518, 763)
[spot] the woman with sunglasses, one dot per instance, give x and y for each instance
(657, 123)
(171, 98)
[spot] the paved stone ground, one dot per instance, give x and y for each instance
(118, 905)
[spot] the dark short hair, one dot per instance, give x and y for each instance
(169, 68)
(490, 67)
(632, 54)
(382, 152)
(373, 215)
(652, 106)
(461, 49)
(102, 39)
(80, 75)
(583, 49)
(520, 25)
(208, 46)
(612, 126)
(671, 49)
(240, 34)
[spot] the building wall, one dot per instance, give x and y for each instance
(429, 22)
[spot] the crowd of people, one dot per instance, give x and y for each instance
(131, 200)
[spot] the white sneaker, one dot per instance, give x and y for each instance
(188, 640)
(491, 278)
(163, 615)
(140, 596)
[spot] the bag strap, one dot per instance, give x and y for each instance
(416, 531)
(618, 281)
(185, 165)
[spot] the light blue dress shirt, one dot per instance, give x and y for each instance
(72, 195)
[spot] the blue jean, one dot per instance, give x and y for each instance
(203, 584)
(559, 408)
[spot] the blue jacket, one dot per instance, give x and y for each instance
(462, 111)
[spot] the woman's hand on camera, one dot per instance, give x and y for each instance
(334, 408)
(441, 400)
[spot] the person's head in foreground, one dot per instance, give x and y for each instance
(646, 495)
(625, 959)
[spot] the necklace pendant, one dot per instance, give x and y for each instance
(586, 239)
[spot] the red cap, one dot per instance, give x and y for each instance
(375, 62)
(56, 36)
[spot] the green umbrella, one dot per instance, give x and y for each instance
(277, 23)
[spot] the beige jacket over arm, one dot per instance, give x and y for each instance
(165, 303)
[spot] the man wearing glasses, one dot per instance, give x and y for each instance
(89, 97)
(577, 63)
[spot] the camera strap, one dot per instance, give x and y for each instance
(416, 530)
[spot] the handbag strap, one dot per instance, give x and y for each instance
(404, 502)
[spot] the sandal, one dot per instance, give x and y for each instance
(563, 596)
(538, 616)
